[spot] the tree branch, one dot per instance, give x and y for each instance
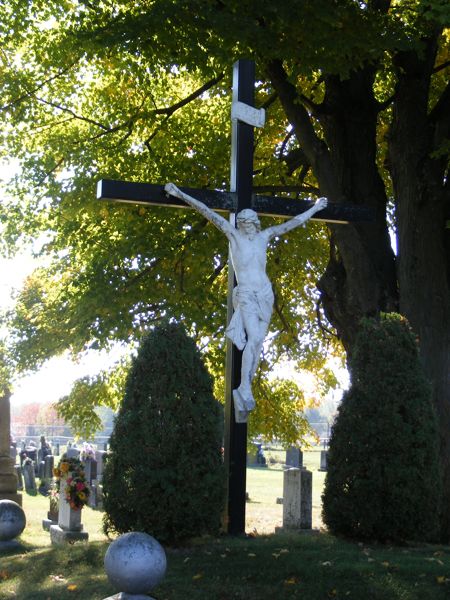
(201, 90)
(32, 92)
(441, 66)
(74, 114)
(314, 148)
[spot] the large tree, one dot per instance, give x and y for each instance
(358, 106)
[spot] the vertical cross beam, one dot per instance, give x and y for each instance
(235, 450)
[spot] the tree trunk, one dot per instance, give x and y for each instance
(422, 200)
(360, 279)
(364, 277)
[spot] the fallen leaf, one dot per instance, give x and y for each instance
(197, 576)
(370, 559)
(251, 555)
(284, 551)
(385, 563)
(327, 563)
(291, 581)
(72, 587)
(186, 559)
(441, 579)
(275, 555)
(332, 593)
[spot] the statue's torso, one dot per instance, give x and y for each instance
(249, 258)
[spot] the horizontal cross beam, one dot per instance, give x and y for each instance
(271, 206)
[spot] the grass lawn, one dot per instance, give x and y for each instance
(306, 566)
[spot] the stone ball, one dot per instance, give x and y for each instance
(12, 520)
(135, 563)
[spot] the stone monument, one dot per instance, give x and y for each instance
(8, 477)
(73, 495)
(12, 523)
(135, 563)
(297, 500)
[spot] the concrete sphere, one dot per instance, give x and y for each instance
(12, 520)
(135, 563)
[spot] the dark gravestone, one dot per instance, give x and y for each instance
(49, 464)
(18, 469)
(29, 477)
(294, 457)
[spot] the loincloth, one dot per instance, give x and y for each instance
(255, 302)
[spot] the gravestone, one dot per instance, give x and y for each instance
(41, 470)
(69, 528)
(294, 457)
(90, 470)
(73, 452)
(8, 478)
(297, 499)
(49, 465)
(92, 502)
(46, 473)
(13, 452)
(18, 469)
(100, 457)
(29, 477)
(323, 460)
(52, 514)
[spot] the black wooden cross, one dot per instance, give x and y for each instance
(240, 197)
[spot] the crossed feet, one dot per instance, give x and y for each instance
(243, 403)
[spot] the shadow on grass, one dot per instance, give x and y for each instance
(278, 566)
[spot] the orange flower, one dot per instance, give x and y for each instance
(56, 472)
(64, 467)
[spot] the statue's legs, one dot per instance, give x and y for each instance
(244, 401)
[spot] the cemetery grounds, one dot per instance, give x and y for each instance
(311, 566)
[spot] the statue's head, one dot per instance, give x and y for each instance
(248, 216)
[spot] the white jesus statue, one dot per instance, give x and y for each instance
(253, 295)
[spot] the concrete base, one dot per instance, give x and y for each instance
(64, 536)
(124, 596)
(47, 523)
(11, 496)
(287, 530)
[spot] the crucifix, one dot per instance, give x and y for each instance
(244, 321)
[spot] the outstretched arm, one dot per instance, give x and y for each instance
(211, 215)
(320, 204)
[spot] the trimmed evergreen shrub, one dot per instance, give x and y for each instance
(165, 474)
(383, 479)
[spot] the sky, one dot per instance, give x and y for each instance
(56, 377)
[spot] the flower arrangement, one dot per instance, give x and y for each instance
(76, 489)
(88, 452)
